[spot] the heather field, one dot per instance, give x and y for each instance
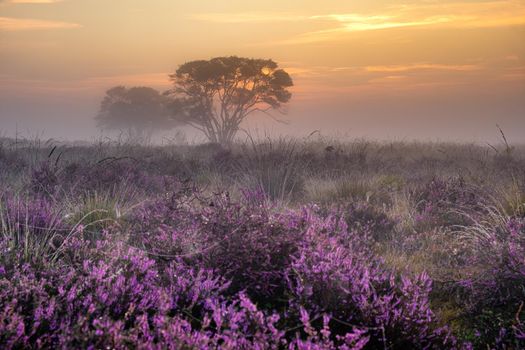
(270, 244)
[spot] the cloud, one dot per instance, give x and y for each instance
(357, 23)
(422, 66)
(463, 14)
(21, 24)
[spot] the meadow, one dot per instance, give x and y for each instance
(271, 244)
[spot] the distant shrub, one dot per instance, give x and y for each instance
(444, 202)
(44, 179)
(116, 178)
(365, 217)
(10, 161)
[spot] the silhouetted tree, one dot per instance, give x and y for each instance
(215, 96)
(138, 110)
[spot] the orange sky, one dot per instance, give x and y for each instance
(380, 69)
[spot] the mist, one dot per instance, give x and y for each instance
(467, 116)
(380, 71)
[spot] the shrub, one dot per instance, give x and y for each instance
(334, 272)
(443, 202)
(245, 243)
(496, 283)
(30, 228)
(44, 179)
(365, 217)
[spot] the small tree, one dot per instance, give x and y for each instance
(137, 110)
(215, 96)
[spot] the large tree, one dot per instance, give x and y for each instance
(215, 96)
(138, 111)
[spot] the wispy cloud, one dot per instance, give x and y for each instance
(355, 22)
(423, 66)
(467, 14)
(20, 24)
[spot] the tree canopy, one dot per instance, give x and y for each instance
(216, 95)
(137, 110)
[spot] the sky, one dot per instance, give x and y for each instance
(379, 69)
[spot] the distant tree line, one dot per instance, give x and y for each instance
(213, 96)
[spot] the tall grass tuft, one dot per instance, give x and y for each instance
(97, 212)
(276, 167)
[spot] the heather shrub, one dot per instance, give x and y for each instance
(248, 244)
(335, 272)
(498, 248)
(118, 297)
(31, 229)
(495, 329)
(496, 283)
(444, 202)
(114, 177)
(321, 337)
(167, 229)
(245, 243)
(365, 217)
(44, 179)
(117, 288)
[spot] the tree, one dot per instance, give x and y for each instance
(137, 110)
(215, 96)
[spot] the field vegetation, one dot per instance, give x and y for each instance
(267, 244)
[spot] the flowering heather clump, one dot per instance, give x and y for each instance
(245, 243)
(335, 272)
(119, 290)
(364, 217)
(440, 202)
(109, 176)
(497, 284)
(44, 179)
(499, 252)
(29, 227)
